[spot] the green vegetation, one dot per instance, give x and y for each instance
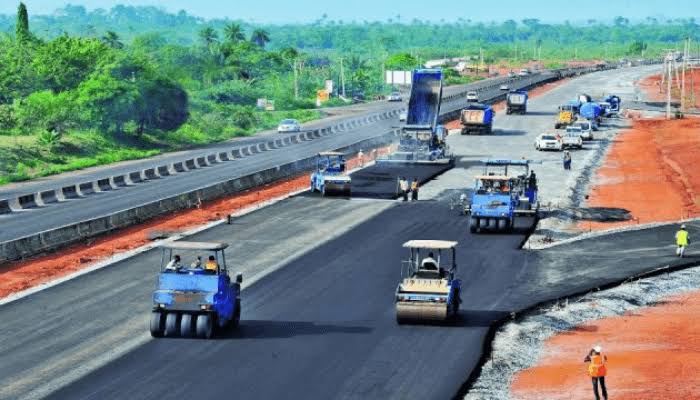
(81, 88)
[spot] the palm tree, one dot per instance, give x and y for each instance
(111, 39)
(208, 36)
(234, 33)
(260, 37)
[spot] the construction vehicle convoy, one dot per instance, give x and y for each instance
(422, 140)
(500, 196)
(194, 299)
(477, 118)
(429, 290)
(516, 102)
(330, 177)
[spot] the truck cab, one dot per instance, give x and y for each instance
(566, 116)
(331, 177)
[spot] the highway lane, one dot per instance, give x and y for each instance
(27, 222)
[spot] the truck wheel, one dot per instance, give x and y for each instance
(483, 223)
(186, 328)
(502, 224)
(157, 324)
(557, 126)
(492, 223)
(473, 224)
(205, 326)
(171, 326)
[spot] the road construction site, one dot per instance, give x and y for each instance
(320, 274)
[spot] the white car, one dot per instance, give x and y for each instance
(548, 141)
(394, 96)
(472, 96)
(403, 115)
(288, 125)
(586, 129)
(572, 138)
(505, 87)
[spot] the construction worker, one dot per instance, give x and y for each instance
(197, 264)
(532, 180)
(414, 189)
(567, 160)
(174, 265)
(597, 370)
(361, 158)
(429, 262)
(403, 188)
(211, 265)
(682, 241)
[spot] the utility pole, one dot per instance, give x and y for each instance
(685, 61)
(669, 78)
(296, 81)
(342, 76)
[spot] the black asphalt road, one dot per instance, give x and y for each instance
(380, 181)
(27, 222)
(324, 325)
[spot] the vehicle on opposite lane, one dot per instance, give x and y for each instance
(289, 125)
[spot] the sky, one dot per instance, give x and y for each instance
(289, 11)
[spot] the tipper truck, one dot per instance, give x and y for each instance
(516, 102)
(422, 139)
(477, 118)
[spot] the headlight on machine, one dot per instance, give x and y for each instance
(205, 307)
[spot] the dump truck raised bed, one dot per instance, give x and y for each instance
(477, 118)
(330, 177)
(422, 140)
(500, 196)
(428, 290)
(198, 298)
(516, 102)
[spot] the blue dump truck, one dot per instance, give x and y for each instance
(194, 299)
(516, 102)
(505, 190)
(477, 118)
(330, 177)
(613, 103)
(591, 111)
(422, 140)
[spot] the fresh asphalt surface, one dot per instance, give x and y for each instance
(31, 221)
(321, 326)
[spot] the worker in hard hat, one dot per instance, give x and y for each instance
(211, 266)
(414, 189)
(597, 370)
(682, 241)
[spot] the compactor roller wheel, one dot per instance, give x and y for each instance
(171, 325)
(205, 326)
(186, 325)
(157, 324)
(492, 223)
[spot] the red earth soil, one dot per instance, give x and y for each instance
(501, 105)
(650, 171)
(656, 91)
(653, 353)
(21, 275)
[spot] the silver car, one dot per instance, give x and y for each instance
(288, 125)
(394, 96)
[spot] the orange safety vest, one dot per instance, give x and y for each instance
(414, 185)
(211, 265)
(596, 368)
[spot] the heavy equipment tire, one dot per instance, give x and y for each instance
(172, 328)
(186, 326)
(473, 224)
(236, 321)
(557, 126)
(205, 326)
(502, 224)
(492, 224)
(157, 324)
(483, 223)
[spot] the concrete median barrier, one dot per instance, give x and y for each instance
(180, 167)
(50, 196)
(104, 185)
(253, 149)
(150, 173)
(86, 188)
(236, 153)
(191, 164)
(212, 159)
(71, 192)
(224, 156)
(163, 170)
(5, 206)
(316, 134)
(28, 201)
(201, 162)
(120, 181)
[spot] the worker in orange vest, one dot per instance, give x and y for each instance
(597, 370)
